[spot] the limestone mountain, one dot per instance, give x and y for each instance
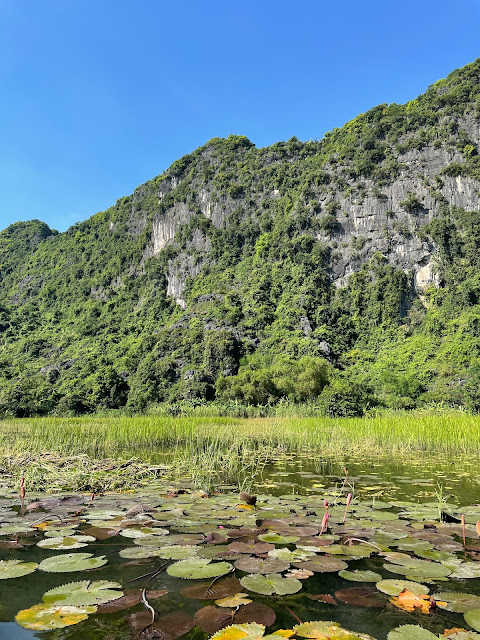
(342, 272)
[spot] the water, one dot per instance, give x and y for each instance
(294, 484)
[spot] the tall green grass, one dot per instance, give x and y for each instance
(113, 436)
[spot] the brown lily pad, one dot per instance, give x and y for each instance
(228, 586)
(211, 619)
(360, 597)
(260, 565)
(322, 564)
(128, 600)
(169, 627)
(255, 548)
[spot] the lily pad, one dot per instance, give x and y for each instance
(327, 630)
(277, 538)
(395, 587)
(222, 588)
(15, 568)
(72, 562)
(249, 631)
(472, 617)
(411, 632)
(360, 576)
(360, 597)
(233, 601)
(196, 568)
(84, 593)
(66, 542)
(259, 565)
(45, 617)
(458, 602)
(271, 584)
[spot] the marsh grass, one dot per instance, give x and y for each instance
(212, 450)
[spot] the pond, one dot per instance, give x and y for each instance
(73, 567)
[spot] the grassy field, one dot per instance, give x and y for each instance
(92, 450)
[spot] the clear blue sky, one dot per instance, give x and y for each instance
(98, 96)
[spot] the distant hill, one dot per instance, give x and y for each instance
(343, 271)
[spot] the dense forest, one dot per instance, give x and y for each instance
(342, 273)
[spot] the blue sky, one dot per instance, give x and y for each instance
(98, 97)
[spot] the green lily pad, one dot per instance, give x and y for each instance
(67, 542)
(45, 617)
(411, 632)
(327, 629)
(137, 553)
(322, 564)
(196, 568)
(248, 631)
(418, 570)
(464, 570)
(15, 568)
(395, 587)
(472, 617)
(72, 562)
(277, 538)
(178, 552)
(271, 584)
(458, 602)
(83, 593)
(10, 529)
(360, 576)
(260, 565)
(144, 532)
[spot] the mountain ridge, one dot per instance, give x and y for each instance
(217, 277)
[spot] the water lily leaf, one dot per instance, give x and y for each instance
(360, 597)
(233, 601)
(300, 574)
(472, 617)
(72, 562)
(44, 617)
(169, 627)
(222, 588)
(10, 529)
(327, 630)
(458, 602)
(394, 587)
(255, 548)
(428, 570)
(249, 631)
(411, 632)
(15, 568)
(360, 576)
(258, 565)
(322, 564)
(83, 593)
(297, 555)
(67, 542)
(277, 538)
(178, 552)
(59, 533)
(255, 612)
(144, 532)
(195, 568)
(137, 553)
(128, 600)
(211, 619)
(270, 584)
(464, 570)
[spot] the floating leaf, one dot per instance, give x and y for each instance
(15, 568)
(394, 587)
(360, 576)
(67, 542)
(322, 564)
(429, 570)
(360, 597)
(257, 565)
(44, 617)
(233, 601)
(411, 632)
(327, 630)
(408, 601)
(84, 593)
(128, 600)
(250, 631)
(273, 583)
(228, 586)
(324, 597)
(276, 538)
(169, 627)
(72, 562)
(472, 617)
(458, 602)
(195, 568)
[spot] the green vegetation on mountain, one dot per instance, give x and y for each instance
(289, 274)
